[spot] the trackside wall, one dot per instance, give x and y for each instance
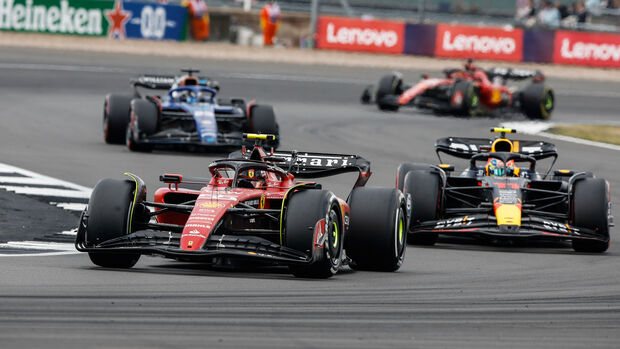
(460, 41)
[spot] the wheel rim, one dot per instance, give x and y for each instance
(400, 234)
(474, 101)
(549, 102)
(333, 237)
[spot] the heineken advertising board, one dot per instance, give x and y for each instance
(116, 19)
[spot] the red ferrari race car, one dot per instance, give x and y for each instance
(500, 196)
(467, 92)
(251, 208)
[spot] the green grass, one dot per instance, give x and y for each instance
(597, 133)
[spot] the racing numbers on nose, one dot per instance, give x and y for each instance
(153, 22)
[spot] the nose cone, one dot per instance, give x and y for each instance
(508, 215)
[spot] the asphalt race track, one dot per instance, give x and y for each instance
(452, 295)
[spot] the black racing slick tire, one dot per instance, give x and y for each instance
(109, 215)
(305, 209)
(405, 168)
(467, 95)
(590, 209)
(537, 101)
(388, 90)
(377, 237)
(144, 122)
(423, 188)
(263, 120)
(115, 118)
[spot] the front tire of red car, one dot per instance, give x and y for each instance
(108, 214)
(388, 90)
(303, 211)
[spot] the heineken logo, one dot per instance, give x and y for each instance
(50, 16)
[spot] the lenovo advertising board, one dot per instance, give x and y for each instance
(479, 42)
(593, 49)
(353, 34)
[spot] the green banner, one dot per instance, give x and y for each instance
(78, 17)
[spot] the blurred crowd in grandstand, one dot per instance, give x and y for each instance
(561, 14)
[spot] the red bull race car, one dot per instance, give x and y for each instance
(251, 208)
(187, 116)
(467, 92)
(503, 198)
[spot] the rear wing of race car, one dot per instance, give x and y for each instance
(165, 82)
(515, 74)
(316, 165)
(465, 148)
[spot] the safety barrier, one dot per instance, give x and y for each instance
(460, 41)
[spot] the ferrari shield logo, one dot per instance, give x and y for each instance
(261, 203)
(251, 173)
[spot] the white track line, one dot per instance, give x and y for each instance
(70, 206)
(44, 179)
(46, 192)
(55, 248)
(580, 141)
(539, 128)
(59, 67)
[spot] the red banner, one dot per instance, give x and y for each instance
(593, 49)
(352, 34)
(479, 42)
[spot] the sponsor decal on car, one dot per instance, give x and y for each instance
(340, 33)
(479, 42)
(205, 226)
(210, 204)
(454, 222)
(593, 49)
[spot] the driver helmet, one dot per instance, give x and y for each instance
(256, 177)
(187, 96)
(495, 167)
(511, 168)
(470, 66)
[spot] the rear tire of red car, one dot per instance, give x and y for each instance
(388, 90)
(108, 215)
(537, 101)
(144, 119)
(303, 211)
(470, 100)
(423, 187)
(377, 237)
(590, 210)
(115, 118)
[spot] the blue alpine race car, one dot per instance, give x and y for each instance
(188, 116)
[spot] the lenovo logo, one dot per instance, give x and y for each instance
(478, 44)
(593, 49)
(587, 51)
(361, 36)
(352, 34)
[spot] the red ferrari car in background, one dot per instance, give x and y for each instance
(469, 91)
